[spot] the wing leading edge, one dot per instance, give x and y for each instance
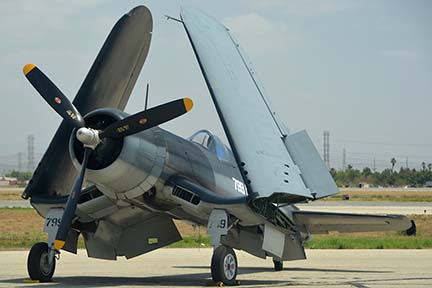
(108, 84)
(252, 127)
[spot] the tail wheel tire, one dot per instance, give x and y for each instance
(38, 265)
(224, 265)
(278, 265)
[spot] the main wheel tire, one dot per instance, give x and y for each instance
(224, 265)
(38, 266)
(278, 265)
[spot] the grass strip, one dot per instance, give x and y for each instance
(369, 242)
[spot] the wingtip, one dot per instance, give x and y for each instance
(27, 68)
(188, 104)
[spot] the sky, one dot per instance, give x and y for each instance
(359, 69)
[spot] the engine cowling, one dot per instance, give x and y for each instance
(122, 168)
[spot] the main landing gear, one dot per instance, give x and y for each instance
(224, 265)
(40, 264)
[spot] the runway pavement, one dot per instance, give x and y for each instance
(189, 268)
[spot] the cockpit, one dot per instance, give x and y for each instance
(212, 143)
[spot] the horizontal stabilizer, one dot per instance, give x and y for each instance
(324, 222)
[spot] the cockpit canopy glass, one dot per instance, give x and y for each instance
(211, 142)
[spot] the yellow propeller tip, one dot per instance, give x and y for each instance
(188, 104)
(58, 244)
(27, 68)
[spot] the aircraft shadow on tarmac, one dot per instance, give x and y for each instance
(246, 270)
(190, 279)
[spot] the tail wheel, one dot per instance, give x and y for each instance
(278, 265)
(224, 265)
(38, 265)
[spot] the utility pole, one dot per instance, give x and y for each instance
(326, 148)
(406, 163)
(20, 161)
(374, 165)
(30, 153)
(343, 159)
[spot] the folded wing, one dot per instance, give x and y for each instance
(252, 127)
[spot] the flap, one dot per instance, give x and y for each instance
(314, 172)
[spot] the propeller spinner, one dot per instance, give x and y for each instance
(91, 138)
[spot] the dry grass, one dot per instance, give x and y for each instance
(25, 220)
(395, 193)
(11, 193)
(384, 195)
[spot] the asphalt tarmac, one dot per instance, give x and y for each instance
(190, 268)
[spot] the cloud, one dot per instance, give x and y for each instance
(403, 54)
(304, 7)
(259, 34)
(33, 20)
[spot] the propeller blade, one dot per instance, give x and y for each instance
(53, 96)
(71, 204)
(147, 119)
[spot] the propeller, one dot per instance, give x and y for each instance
(53, 96)
(91, 138)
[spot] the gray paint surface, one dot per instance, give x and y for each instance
(250, 126)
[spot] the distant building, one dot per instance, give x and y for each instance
(364, 185)
(428, 184)
(7, 181)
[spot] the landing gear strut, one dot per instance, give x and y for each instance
(224, 265)
(39, 265)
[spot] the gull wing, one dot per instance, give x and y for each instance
(108, 85)
(253, 129)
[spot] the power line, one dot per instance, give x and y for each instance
(380, 143)
(326, 148)
(30, 153)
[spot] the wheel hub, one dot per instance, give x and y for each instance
(229, 266)
(45, 265)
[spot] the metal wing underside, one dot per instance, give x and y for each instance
(108, 85)
(252, 127)
(324, 222)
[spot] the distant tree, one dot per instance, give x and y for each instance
(333, 172)
(366, 172)
(423, 164)
(393, 163)
(429, 166)
(22, 176)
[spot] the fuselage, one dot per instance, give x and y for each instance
(141, 173)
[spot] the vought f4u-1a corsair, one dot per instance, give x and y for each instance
(142, 177)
